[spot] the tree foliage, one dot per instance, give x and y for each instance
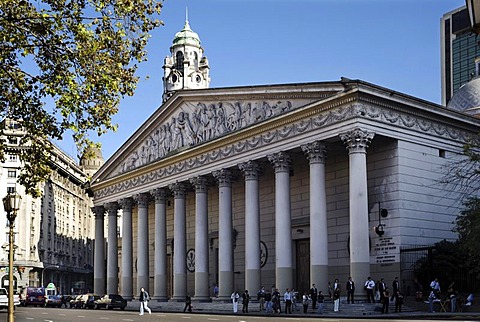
(467, 225)
(64, 66)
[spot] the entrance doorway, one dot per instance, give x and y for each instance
(303, 265)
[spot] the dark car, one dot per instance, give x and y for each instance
(111, 301)
(34, 296)
(53, 300)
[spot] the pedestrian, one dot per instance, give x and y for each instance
(268, 302)
(261, 298)
(385, 300)
(294, 299)
(321, 300)
(381, 289)
(287, 297)
(452, 294)
(369, 286)
(144, 298)
(215, 290)
(314, 295)
(336, 295)
(245, 301)
(398, 302)
(329, 290)
(431, 299)
(435, 286)
(350, 290)
(277, 308)
(395, 289)
(305, 302)
(188, 303)
(235, 296)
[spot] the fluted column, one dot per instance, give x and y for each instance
(357, 142)
(225, 233)
(127, 249)
(283, 223)
(160, 281)
(142, 242)
(201, 238)
(99, 259)
(112, 254)
(316, 154)
(179, 243)
(251, 171)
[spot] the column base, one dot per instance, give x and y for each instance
(160, 298)
(202, 299)
(284, 279)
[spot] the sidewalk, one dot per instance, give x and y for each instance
(346, 310)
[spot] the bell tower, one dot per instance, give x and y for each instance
(186, 68)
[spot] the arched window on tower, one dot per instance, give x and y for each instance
(179, 62)
(195, 60)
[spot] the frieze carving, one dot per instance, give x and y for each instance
(327, 117)
(201, 122)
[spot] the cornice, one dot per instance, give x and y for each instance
(278, 130)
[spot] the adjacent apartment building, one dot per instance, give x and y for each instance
(53, 233)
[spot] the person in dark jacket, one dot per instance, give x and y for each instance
(245, 301)
(350, 290)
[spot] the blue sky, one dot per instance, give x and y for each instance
(391, 43)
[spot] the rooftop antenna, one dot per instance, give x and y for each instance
(186, 13)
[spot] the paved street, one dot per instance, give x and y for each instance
(32, 314)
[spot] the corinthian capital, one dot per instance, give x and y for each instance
(178, 189)
(251, 170)
(281, 161)
(142, 200)
(357, 140)
(316, 152)
(223, 176)
(200, 183)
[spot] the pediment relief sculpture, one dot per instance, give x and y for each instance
(194, 124)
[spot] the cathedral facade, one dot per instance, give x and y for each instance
(285, 185)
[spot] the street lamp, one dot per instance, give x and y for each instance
(11, 204)
(45, 268)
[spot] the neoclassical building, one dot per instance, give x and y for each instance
(279, 185)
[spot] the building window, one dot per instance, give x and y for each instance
(179, 62)
(12, 140)
(10, 189)
(12, 173)
(12, 157)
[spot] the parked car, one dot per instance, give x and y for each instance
(74, 300)
(111, 301)
(34, 296)
(86, 301)
(53, 300)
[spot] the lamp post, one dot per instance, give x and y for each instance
(11, 204)
(45, 268)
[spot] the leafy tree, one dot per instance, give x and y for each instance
(467, 225)
(64, 66)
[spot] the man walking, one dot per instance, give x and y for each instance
(144, 298)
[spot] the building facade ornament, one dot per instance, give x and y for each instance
(316, 152)
(179, 189)
(224, 177)
(159, 194)
(357, 140)
(142, 200)
(251, 170)
(281, 161)
(200, 183)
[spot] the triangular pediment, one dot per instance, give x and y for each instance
(192, 118)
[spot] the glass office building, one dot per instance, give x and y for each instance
(459, 48)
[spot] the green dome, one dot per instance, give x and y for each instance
(186, 37)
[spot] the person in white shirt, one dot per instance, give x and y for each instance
(369, 286)
(235, 296)
(287, 297)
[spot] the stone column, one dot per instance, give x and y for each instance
(160, 281)
(357, 141)
(201, 238)
(99, 259)
(142, 242)
(283, 223)
(127, 249)
(112, 255)
(225, 233)
(251, 171)
(179, 243)
(316, 154)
